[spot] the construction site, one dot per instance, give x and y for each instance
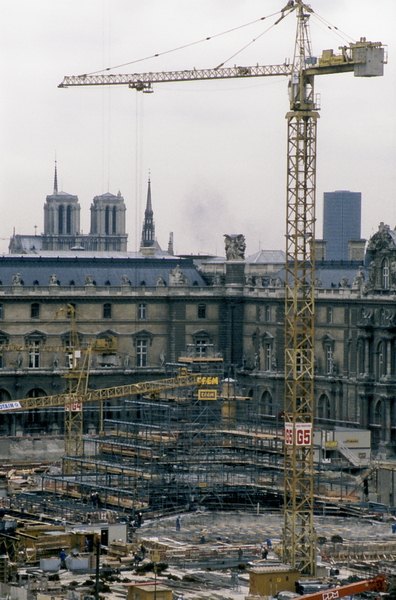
(186, 473)
(188, 489)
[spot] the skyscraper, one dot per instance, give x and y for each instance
(341, 222)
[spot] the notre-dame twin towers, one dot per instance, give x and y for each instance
(62, 225)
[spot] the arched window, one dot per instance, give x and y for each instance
(5, 396)
(266, 404)
(381, 360)
(36, 393)
(378, 409)
(69, 219)
(323, 407)
(385, 274)
(114, 219)
(107, 220)
(61, 215)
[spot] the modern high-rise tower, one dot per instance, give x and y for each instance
(341, 222)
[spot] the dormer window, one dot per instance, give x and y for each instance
(385, 274)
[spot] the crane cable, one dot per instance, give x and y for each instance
(184, 46)
(333, 28)
(246, 46)
(328, 25)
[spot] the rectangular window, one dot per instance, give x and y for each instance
(107, 310)
(201, 311)
(35, 310)
(34, 354)
(329, 360)
(268, 356)
(200, 348)
(329, 315)
(141, 353)
(142, 311)
(268, 314)
(1, 311)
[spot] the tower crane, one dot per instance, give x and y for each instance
(74, 400)
(365, 59)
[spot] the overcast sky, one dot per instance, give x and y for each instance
(216, 151)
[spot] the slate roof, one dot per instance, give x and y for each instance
(267, 257)
(331, 272)
(103, 267)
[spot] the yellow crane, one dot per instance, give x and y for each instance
(73, 402)
(365, 59)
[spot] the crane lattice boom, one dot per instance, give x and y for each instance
(119, 391)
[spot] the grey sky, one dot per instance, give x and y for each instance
(216, 150)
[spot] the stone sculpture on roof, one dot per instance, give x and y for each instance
(358, 281)
(235, 246)
(177, 277)
(160, 280)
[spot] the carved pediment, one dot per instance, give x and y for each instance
(142, 334)
(384, 239)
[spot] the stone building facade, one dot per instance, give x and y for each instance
(160, 307)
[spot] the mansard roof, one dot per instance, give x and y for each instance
(267, 256)
(329, 273)
(71, 268)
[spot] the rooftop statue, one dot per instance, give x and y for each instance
(235, 246)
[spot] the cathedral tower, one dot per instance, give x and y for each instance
(108, 223)
(61, 218)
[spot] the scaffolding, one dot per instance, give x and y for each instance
(204, 446)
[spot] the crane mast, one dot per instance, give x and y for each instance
(298, 533)
(365, 59)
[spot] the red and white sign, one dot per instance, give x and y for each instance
(75, 406)
(303, 434)
(300, 434)
(289, 434)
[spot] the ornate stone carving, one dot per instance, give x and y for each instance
(177, 277)
(359, 279)
(235, 246)
(382, 240)
(344, 282)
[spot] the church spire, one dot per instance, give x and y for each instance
(56, 179)
(148, 232)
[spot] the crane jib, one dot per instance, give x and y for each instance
(186, 75)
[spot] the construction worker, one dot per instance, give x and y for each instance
(63, 556)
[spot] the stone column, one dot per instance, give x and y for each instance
(366, 356)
